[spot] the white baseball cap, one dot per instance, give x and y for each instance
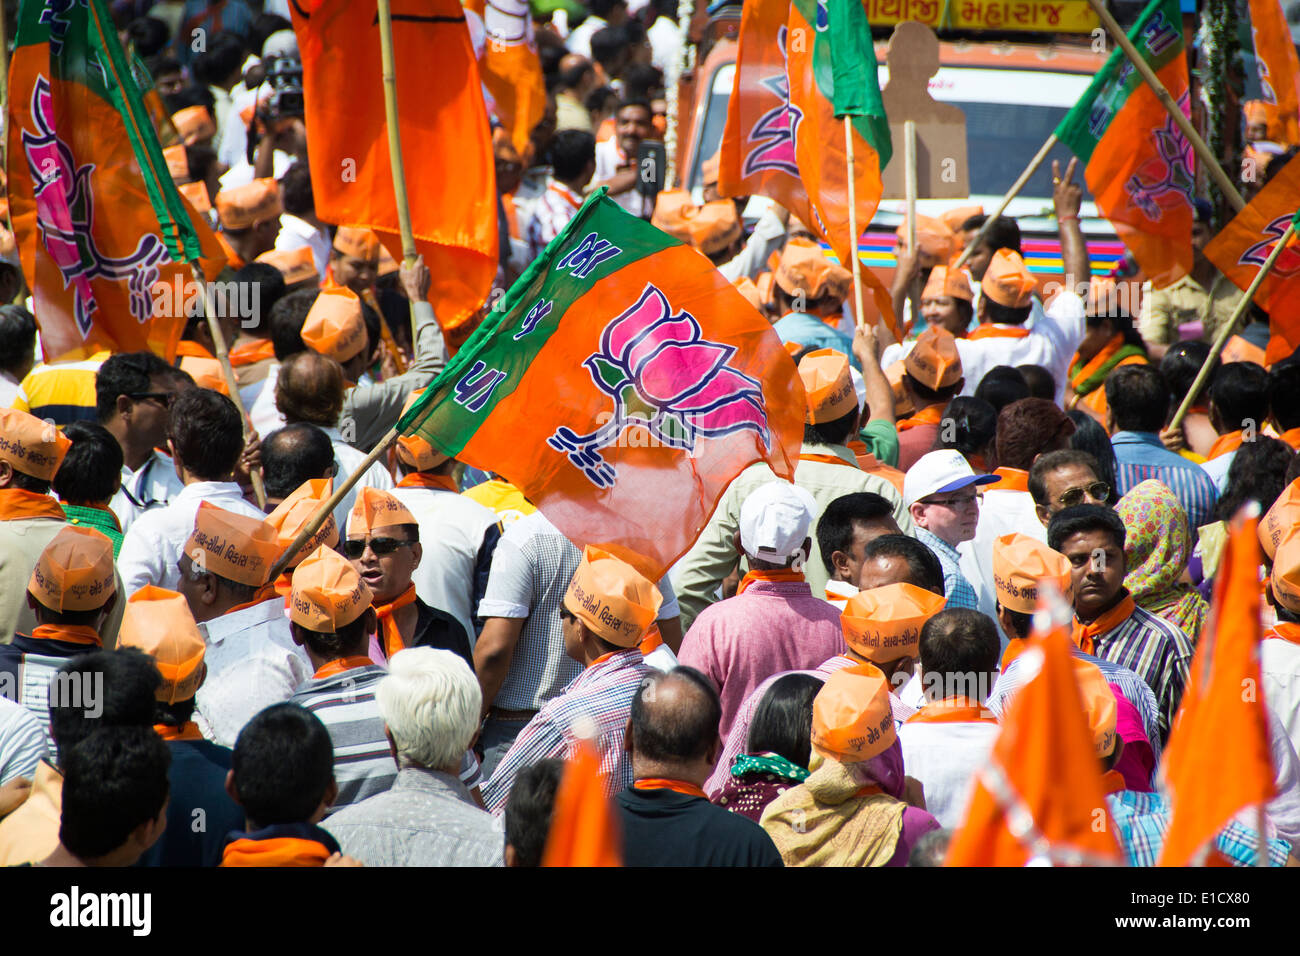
(774, 521)
(940, 471)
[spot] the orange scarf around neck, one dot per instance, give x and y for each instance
(782, 576)
(279, 851)
(340, 665)
(678, 786)
(255, 350)
(192, 349)
(931, 415)
(70, 633)
(18, 503)
(999, 332)
(953, 710)
(826, 459)
(190, 731)
(1284, 631)
(388, 629)
(420, 479)
(1084, 633)
(1015, 647)
(1101, 358)
(1224, 444)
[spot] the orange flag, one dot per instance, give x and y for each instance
(1218, 760)
(450, 170)
(511, 70)
(1279, 71)
(584, 826)
(1041, 794)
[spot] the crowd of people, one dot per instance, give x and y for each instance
(818, 681)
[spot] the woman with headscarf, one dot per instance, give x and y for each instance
(1157, 547)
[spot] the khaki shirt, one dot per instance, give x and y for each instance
(1165, 310)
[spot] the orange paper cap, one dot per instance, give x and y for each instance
(414, 451)
(197, 194)
(327, 593)
(1098, 704)
(236, 547)
(884, 624)
(1020, 563)
(360, 244)
(296, 265)
(376, 509)
(334, 326)
(245, 206)
(803, 267)
(30, 445)
(159, 622)
(709, 228)
(194, 124)
(1008, 280)
(902, 402)
(932, 236)
(1286, 573)
(612, 598)
(387, 264)
(852, 719)
(946, 281)
(953, 218)
(934, 361)
(745, 286)
(827, 385)
(293, 513)
(178, 163)
(1280, 519)
(75, 571)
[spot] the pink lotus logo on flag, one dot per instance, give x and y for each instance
(665, 377)
(776, 129)
(1166, 182)
(65, 212)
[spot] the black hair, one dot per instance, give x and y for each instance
(101, 689)
(688, 730)
(642, 104)
(1257, 473)
(1276, 164)
(200, 158)
(349, 639)
(974, 425)
(294, 454)
(89, 472)
(1003, 234)
(570, 78)
(283, 763)
(25, 482)
(161, 64)
(923, 567)
(1089, 436)
(1084, 519)
(1021, 621)
(1050, 461)
(148, 36)
(602, 8)
(270, 289)
(782, 722)
(374, 331)
(1284, 393)
(597, 99)
(607, 43)
(206, 429)
(17, 336)
(264, 24)
(224, 56)
(177, 714)
(1239, 393)
(927, 396)
(287, 318)
(114, 780)
(1000, 314)
(1122, 323)
(834, 432)
(959, 640)
(296, 191)
(126, 373)
(1138, 398)
(641, 80)
(1179, 367)
(1002, 385)
(1039, 381)
(529, 808)
(192, 95)
(572, 150)
(836, 524)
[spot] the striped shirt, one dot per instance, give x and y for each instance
(29, 664)
(602, 694)
(1139, 456)
(63, 392)
(1158, 652)
(955, 586)
(1142, 820)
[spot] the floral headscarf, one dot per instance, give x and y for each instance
(1158, 547)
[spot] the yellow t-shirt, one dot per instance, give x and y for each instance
(503, 498)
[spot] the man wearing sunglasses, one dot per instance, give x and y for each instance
(942, 494)
(1063, 479)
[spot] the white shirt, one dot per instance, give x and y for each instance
(1279, 670)
(1001, 512)
(1217, 469)
(348, 459)
(252, 663)
(8, 389)
(768, 236)
(579, 40)
(608, 160)
(296, 233)
(263, 413)
(22, 741)
(666, 47)
(149, 487)
(838, 594)
(945, 757)
(157, 538)
(1052, 340)
(242, 173)
(451, 533)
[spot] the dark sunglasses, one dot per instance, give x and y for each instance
(354, 548)
(1097, 490)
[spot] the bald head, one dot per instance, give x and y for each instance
(309, 388)
(292, 455)
(674, 725)
(576, 73)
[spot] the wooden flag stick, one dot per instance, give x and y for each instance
(327, 507)
(1012, 193)
(1230, 327)
(853, 223)
(394, 132)
(1176, 114)
(910, 185)
(223, 356)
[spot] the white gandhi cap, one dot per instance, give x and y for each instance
(774, 521)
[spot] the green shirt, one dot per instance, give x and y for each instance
(101, 519)
(881, 439)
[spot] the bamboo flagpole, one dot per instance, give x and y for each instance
(1012, 193)
(394, 131)
(910, 186)
(1230, 327)
(853, 222)
(1175, 113)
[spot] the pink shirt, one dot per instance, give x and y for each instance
(772, 627)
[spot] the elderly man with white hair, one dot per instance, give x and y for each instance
(430, 704)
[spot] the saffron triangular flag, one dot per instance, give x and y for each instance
(584, 824)
(1276, 62)
(511, 69)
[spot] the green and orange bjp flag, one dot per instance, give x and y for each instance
(1244, 244)
(1139, 164)
(1040, 797)
(446, 141)
(1219, 760)
(584, 825)
(1278, 66)
(621, 379)
(97, 219)
(511, 69)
